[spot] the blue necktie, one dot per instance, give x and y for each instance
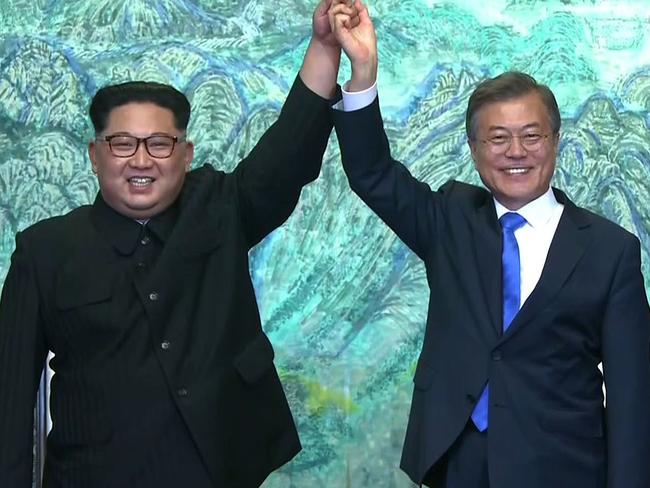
(510, 222)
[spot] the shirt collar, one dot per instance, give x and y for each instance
(538, 212)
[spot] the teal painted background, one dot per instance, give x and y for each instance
(342, 300)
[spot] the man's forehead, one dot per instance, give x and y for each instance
(140, 107)
(145, 115)
(524, 110)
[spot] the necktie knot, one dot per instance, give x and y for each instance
(511, 221)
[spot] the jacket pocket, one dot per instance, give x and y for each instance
(85, 309)
(256, 359)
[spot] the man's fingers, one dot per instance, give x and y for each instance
(341, 21)
(363, 12)
(323, 7)
(342, 8)
(338, 14)
(343, 17)
(354, 21)
(334, 3)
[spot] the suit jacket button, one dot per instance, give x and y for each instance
(164, 345)
(153, 296)
(182, 392)
(496, 355)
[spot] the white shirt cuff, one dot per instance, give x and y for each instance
(356, 100)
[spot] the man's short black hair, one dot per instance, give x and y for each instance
(506, 86)
(112, 96)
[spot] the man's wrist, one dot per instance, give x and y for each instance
(328, 49)
(320, 68)
(356, 100)
(364, 75)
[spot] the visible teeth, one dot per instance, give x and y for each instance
(516, 171)
(140, 180)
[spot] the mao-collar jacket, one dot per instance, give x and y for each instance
(163, 376)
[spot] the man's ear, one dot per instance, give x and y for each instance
(189, 154)
(556, 141)
(472, 149)
(92, 148)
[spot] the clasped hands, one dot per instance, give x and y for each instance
(351, 28)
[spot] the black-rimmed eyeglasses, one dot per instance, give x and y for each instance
(125, 146)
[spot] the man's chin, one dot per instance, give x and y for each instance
(513, 199)
(139, 210)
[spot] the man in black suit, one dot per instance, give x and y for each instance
(163, 376)
(528, 295)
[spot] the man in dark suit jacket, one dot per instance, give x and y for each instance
(509, 397)
(163, 376)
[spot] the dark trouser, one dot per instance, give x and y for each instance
(464, 465)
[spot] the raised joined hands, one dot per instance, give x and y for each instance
(322, 26)
(350, 25)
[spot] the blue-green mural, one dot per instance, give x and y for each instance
(342, 300)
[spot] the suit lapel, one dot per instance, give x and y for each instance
(487, 246)
(567, 247)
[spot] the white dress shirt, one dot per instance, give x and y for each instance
(534, 237)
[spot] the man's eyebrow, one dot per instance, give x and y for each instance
(126, 133)
(532, 125)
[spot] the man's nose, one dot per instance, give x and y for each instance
(516, 149)
(141, 158)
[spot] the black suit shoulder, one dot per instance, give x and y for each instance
(606, 226)
(58, 223)
(207, 182)
(61, 231)
(48, 245)
(459, 200)
(603, 230)
(460, 193)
